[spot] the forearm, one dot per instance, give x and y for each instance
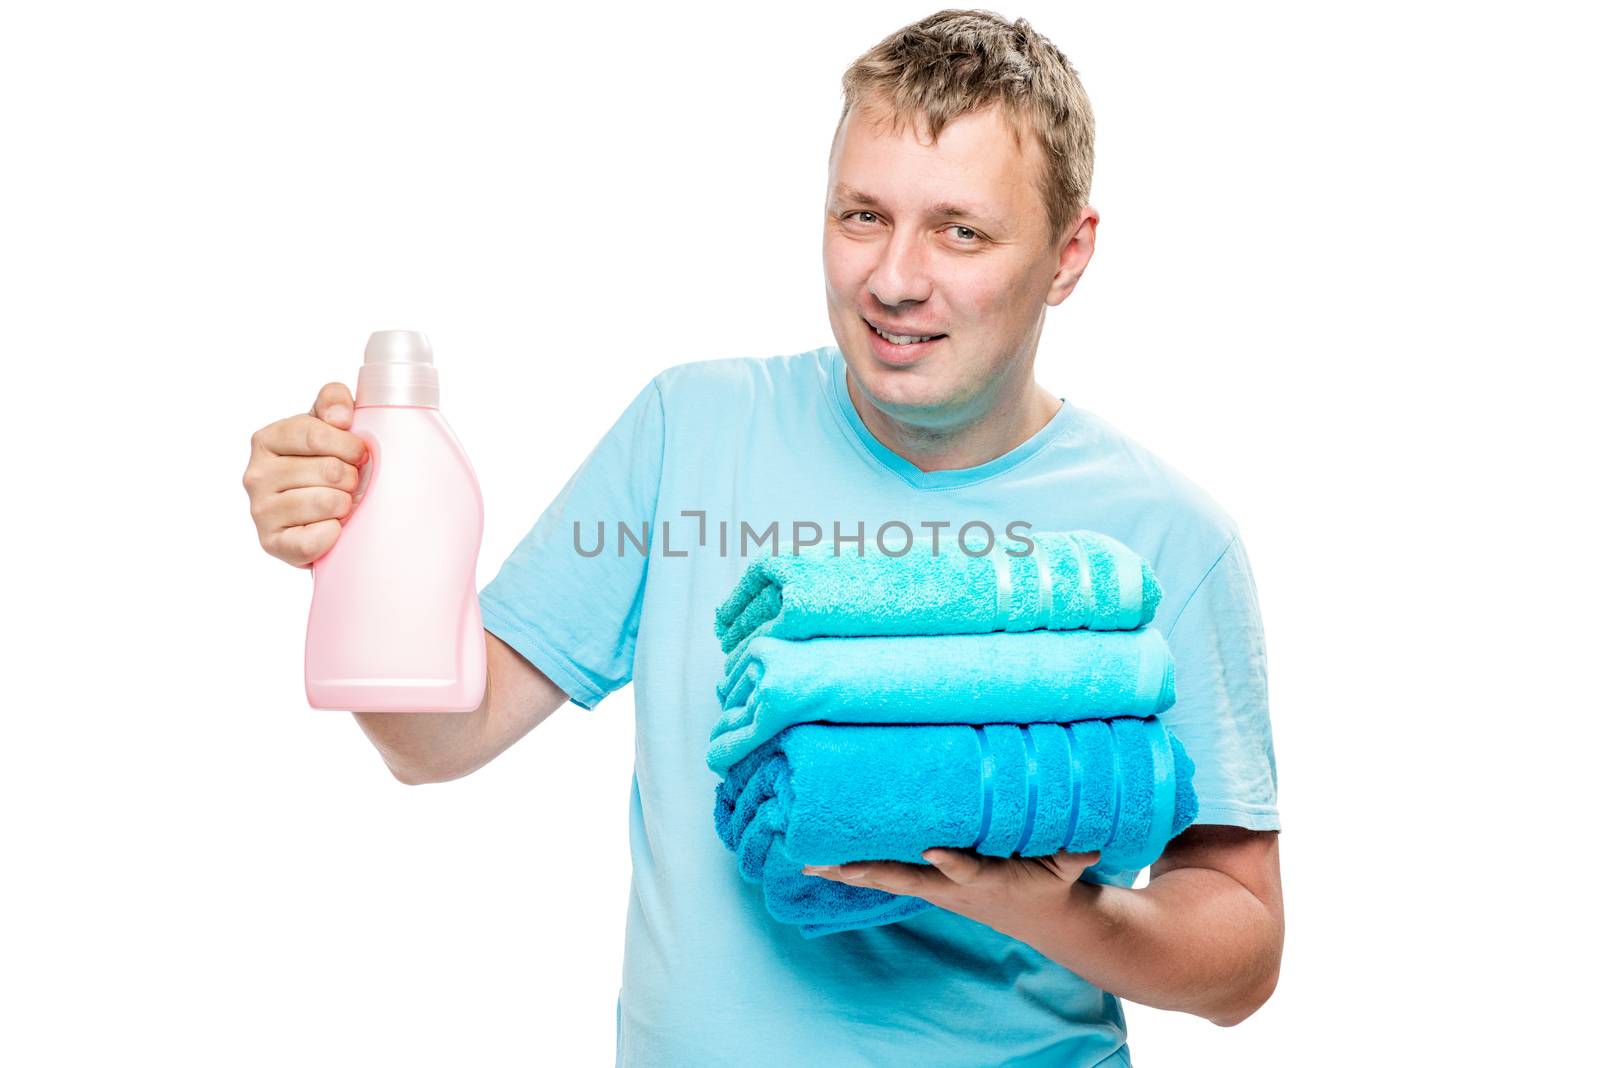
(424, 747)
(1194, 940)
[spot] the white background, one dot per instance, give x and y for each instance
(1344, 280)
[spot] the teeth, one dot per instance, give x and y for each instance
(898, 339)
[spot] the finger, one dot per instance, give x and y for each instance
(1069, 866)
(299, 507)
(334, 405)
(893, 876)
(301, 546)
(958, 866)
(306, 435)
(298, 472)
(830, 871)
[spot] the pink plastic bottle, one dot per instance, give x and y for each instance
(394, 609)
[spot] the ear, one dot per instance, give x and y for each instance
(1073, 253)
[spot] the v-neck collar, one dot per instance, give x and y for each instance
(909, 472)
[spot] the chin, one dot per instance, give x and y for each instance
(904, 388)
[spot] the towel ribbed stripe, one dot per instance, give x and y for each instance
(986, 768)
(1085, 579)
(1077, 787)
(1116, 787)
(1046, 592)
(1042, 613)
(1002, 590)
(1152, 674)
(1032, 763)
(1131, 584)
(1164, 791)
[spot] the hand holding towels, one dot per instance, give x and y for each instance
(874, 706)
(829, 793)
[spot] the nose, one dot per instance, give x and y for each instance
(900, 275)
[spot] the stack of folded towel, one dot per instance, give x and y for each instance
(870, 711)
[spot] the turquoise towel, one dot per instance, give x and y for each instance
(832, 794)
(1090, 581)
(1036, 676)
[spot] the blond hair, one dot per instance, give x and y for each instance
(957, 61)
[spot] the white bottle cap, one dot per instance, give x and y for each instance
(398, 370)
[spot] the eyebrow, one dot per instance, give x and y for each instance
(949, 209)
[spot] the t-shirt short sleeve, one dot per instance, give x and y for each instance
(1220, 712)
(575, 614)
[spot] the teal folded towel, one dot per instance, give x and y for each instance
(1036, 676)
(832, 793)
(1073, 580)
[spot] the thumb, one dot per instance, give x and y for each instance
(334, 405)
(957, 865)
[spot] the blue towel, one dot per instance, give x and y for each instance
(820, 906)
(831, 794)
(1037, 676)
(1089, 580)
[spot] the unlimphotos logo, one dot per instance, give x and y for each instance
(894, 537)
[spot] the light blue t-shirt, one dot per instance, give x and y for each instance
(710, 454)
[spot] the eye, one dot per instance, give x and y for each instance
(975, 239)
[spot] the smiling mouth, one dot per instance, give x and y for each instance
(925, 339)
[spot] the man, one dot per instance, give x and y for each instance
(956, 210)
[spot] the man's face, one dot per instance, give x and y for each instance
(894, 253)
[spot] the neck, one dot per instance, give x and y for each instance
(1010, 418)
